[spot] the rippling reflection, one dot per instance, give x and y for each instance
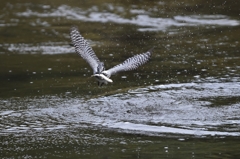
(141, 19)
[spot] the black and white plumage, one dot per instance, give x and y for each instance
(103, 76)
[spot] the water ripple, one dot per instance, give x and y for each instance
(142, 19)
(188, 108)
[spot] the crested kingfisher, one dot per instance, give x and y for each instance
(103, 76)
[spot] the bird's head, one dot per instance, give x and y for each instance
(101, 75)
(100, 67)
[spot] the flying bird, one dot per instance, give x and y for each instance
(103, 76)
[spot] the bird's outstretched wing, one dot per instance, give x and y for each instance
(131, 63)
(83, 49)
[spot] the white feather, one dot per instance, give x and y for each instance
(104, 77)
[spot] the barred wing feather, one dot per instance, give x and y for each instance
(83, 49)
(131, 63)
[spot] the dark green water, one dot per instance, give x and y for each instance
(184, 103)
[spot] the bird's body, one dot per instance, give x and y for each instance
(103, 76)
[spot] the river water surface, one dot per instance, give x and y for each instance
(184, 103)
